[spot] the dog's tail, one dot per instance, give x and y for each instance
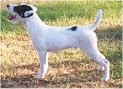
(98, 19)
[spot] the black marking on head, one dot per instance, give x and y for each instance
(74, 28)
(21, 9)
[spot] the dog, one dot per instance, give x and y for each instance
(47, 38)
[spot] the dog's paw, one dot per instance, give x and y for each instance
(39, 76)
(38, 72)
(104, 78)
(100, 68)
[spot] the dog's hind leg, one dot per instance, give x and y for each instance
(99, 58)
(93, 52)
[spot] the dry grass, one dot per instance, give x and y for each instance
(67, 68)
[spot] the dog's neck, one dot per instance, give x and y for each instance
(34, 20)
(34, 25)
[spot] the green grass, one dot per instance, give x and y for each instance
(52, 12)
(71, 67)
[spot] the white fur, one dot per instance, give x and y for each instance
(47, 38)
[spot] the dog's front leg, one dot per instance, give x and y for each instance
(43, 55)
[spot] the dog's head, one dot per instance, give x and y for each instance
(20, 12)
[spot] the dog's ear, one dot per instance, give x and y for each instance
(28, 13)
(34, 8)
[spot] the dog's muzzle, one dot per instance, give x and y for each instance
(11, 15)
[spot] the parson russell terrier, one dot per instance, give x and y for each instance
(47, 38)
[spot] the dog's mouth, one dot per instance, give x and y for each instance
(12, 16)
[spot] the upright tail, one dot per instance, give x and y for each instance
(98, 19)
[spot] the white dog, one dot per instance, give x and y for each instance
(47, 38)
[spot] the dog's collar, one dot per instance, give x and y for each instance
(29, 15)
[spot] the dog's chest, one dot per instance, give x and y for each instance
(36, 36)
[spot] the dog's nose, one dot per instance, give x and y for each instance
(7, 5)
